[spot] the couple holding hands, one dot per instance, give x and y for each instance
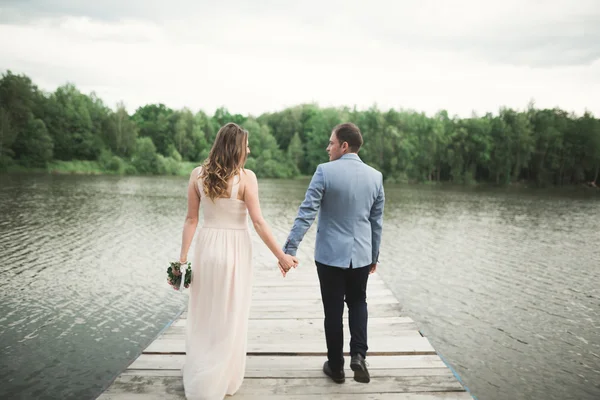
(349, 197)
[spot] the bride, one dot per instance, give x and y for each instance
(221, 287)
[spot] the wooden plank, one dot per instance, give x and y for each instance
(305, 373)
(308, 281)
(368, 396)
(352, 396)
(275, 311)
(307, 344)
(274, 294)
(292, 363)
(130, 387)
(156, 394)
(298, 275)
(313, 302)
(324, 386)
(260, 280)
(308, 313)
(179, 333)
(309, 322)
(277, 328)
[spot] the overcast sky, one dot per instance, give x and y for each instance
(260, 56)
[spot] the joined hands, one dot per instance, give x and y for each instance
(286, 263)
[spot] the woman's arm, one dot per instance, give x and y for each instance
(261, 226)
(191, 219)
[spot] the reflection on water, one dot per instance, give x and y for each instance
(505, 284)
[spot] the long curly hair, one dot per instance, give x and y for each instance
(226, 159)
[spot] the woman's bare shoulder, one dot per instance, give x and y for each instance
(248, 171)
(196, 171)
(248, 179)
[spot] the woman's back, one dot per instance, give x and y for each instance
(225, 212)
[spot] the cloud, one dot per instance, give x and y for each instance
(510, 31)
(521, 32)
(425, 55)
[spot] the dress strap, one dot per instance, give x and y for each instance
(235, 187)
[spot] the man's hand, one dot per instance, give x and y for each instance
(286, 263)
(283, 271)
(373, 268)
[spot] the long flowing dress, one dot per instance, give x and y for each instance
(219, 300)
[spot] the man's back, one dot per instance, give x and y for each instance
(349, 216)
(349, 197)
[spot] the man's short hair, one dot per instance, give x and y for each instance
(349, 133)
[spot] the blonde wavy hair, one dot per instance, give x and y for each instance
(226, 159)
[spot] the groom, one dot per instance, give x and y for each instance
(349, 195)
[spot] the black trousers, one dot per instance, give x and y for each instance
(339, 285)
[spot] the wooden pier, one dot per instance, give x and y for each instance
(286, 350)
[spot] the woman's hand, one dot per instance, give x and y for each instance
(287, 262)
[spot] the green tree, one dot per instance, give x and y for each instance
(19, 98)
(183, 133)
(7, 137)
(589, 130)
(519, 134)
(70, 124)
(34, 145)
(153, 121)
(145, 159)
(120, 132)
(295, 152)
(222, 117)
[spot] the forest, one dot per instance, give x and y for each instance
(69, 131)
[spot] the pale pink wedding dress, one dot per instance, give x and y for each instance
(219, 300)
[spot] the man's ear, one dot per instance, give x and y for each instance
(345, 147)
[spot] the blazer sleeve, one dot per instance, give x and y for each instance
(307, 212)
(376, 219)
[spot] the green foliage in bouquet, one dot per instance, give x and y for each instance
(174, 274)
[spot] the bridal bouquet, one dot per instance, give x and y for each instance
(175, 274)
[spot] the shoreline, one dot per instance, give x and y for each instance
(92, 168)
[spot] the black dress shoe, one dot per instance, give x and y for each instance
(359, 366)
(337, 376)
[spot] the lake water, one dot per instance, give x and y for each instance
(504, 283)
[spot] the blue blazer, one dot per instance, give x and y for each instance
(349, 197)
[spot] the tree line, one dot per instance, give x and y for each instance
(539, 146)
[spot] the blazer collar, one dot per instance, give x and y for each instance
(350, 156)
